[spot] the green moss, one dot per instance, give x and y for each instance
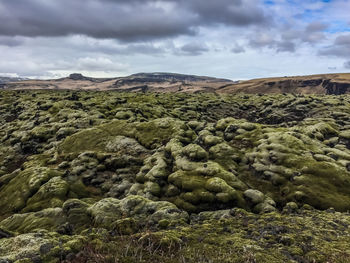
(148, 134)
(345, 134)
(107, 211)
(211, 140)
(217, 185)
(187, 181)
(50, 194)
(124, 115)
(41, 246)
(195, 152)
(42, 133)
(14, 195)
(48, 219)
(153, 188)
(77, 189)
(155, 168)
(254, 196)
(77, 216)
(180, 152)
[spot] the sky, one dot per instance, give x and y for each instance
(234, 39)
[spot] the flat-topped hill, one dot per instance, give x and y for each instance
(313, 84)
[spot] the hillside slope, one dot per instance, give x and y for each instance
(315, 84)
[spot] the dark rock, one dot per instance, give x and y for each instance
(45, 248)
(5, 234)
(77, 76)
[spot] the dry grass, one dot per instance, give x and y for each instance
(128, 249)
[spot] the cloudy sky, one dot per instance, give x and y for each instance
(236, 39)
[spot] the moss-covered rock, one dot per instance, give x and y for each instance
(14, 195)
(41, 246)
(77, 216)
(195, 152)
(50, 194)
(108, 211)
(49, 219)
(148, 134)
(125, 162)
(254, 196)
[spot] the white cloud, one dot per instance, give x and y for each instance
(98, 64)
(300, 37)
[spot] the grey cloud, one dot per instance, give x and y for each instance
(311, 34)
(88, 46)
(285, 46)
(124, 20)
(288, 35)
(238, 49)
(342, 40)
(23, 67)
(313, 37)
(340, 47)
(193, 49)
(262, 40)
(100, 19)
(123, 50)
(44, 67)
(336, 51)
(233, 12)
(11, 41)
(97, 64)
(347, 64)
(147, 49)
(316, 27)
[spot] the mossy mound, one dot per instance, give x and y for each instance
(40, 246)
(15, 194)
(109, 211)
(149, 134)
(160, 167)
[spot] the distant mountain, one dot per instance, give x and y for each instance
(335, 84)
(144, 82)
(170, 82)
(160, 76)
(10, 79)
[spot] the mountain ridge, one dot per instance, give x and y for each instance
(332, 84)
(4, 79)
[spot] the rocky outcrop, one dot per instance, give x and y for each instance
(77, 76)
(336, 88)
(172, 77)
(80, 77)
(142, 81)
(331, 87)
(331, 84)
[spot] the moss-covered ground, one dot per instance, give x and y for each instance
(146, 177)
